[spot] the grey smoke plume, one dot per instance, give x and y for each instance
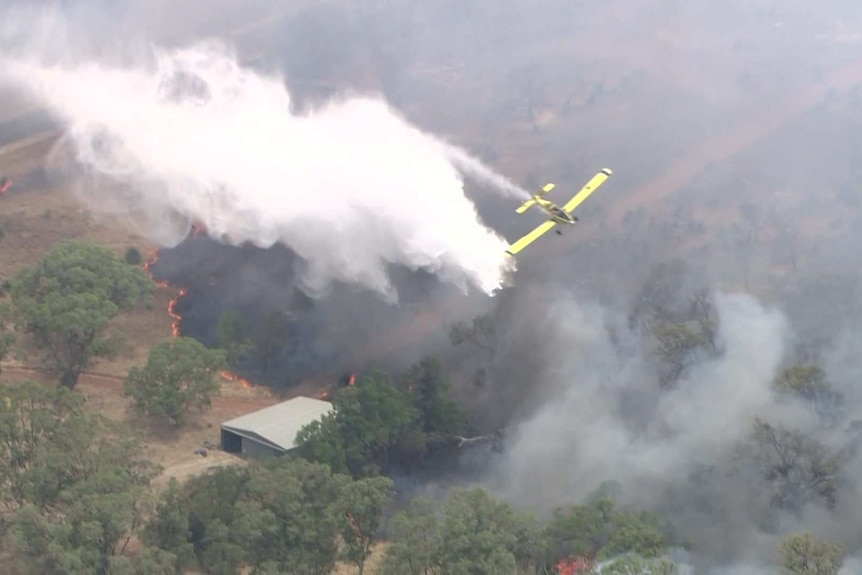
(564, 450)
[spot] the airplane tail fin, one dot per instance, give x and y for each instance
(526, 205)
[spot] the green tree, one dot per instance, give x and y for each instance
(290, 516)
(797, 468)
(805, 380)
(678, 347)
(66, 302)
(179, 375)
(598, 529)
(133, 256)
(683, 324)
(803, 554)
(440, 417)
(150, 562)
(638, 533)
(231, 337)
(169, 531)
(480, 333)
(275, 516)
(372, 419)
(580, 530)
(377, 424)
(187, 527)
(637, 565)
(363, 503)
(7, 339)
(86, 494)
(479, 534)
(320, 441)
(32, 416)
(208, 524)
(415, 540)
(808, 382)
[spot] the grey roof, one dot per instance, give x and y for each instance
(278, 424)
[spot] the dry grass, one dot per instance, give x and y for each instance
(372, 564)
(172, 448)
(33, 220)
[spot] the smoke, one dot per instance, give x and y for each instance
(597, 414)
(350, 186)
(730, 128)
(587, 436)
(851, 566)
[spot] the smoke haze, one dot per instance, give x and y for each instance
(733, 130)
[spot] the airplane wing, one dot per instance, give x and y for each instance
(530, 238)
(526, 205)
(588, 189)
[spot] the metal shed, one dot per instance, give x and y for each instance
(272, 430)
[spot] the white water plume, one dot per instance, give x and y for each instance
(351, 187)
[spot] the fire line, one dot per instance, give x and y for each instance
(177, 318)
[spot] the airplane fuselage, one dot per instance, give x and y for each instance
(556, 213)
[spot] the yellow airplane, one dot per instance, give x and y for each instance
(557, 215)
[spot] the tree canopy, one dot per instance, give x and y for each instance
(79, 483)
(473, 534)
(276, 516)
(804, 554)
(179, 375)
(67, 300)
(7, 339)
(380, 423)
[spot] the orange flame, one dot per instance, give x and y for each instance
(177, 318)
(246, 384)
(234, 377)
(573, 566)
(172, 305)
(151, 261)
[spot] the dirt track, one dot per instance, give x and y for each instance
(738, 136)
(115, 384)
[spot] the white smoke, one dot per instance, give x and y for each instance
(195, 138)
(851, 566)
(581, 436)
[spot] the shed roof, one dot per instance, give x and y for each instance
(279, 424)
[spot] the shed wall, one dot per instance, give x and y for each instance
(254, 449)
(230, 441)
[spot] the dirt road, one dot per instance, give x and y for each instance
(115, 385)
